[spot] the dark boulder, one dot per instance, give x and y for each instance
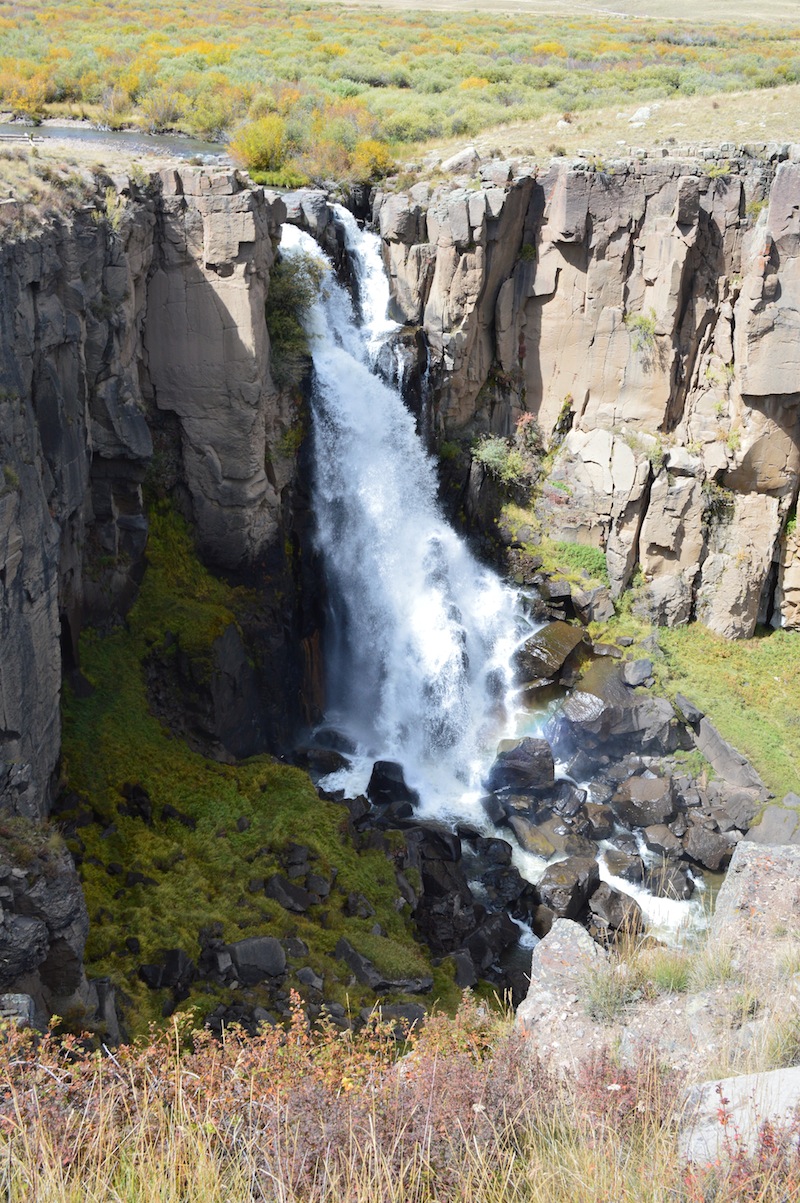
(527, 764)
(616, 911)
(626, 865)
(661, 840)
(708, 848)
(637, 672)
(566, 886)
(669, 881)
(366, 973)
(257, 958)
(488, 941)
(388, 784)
(290, 896)
(644, 801)
(547, 652)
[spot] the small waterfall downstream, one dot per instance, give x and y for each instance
(420, 635)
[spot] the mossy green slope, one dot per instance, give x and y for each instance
(750, 689)
(204, 874)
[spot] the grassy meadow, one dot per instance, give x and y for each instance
(338, 90)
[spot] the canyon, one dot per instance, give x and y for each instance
(646, 314)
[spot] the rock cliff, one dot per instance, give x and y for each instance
(650, 310)
(138, 317)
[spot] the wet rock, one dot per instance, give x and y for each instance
(708, 848)
(626, 865)
(257, 959)
(669, 881)
(644, 801)
(600, 819)
(496, 852)
(530, 836)
(388, 784)
(565, 887)
(527, 764)
(546, 653)
(566, 799)
(488, 941)
(320, 761)
(615, 910)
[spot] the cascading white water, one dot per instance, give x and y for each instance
(421, 636)
(420, 639)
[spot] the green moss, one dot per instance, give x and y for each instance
(199, 875)
(575, 562)
(750, 689)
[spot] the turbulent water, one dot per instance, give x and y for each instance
(419, 635)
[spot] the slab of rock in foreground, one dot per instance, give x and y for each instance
(759, 897)
(560, 966)
(752, 1099)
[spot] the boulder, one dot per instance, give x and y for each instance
(545, 653)
(660, 839)
(751, 1101)
(778, 824)
(257, 959)
(530, 837)
(565, 887)
(637, 672)
(616, 911)
(290, 896)
(388, 784)
(524, 764)
(644, 801)
(561, 963)
(723, 757)
(708, 848)
(669, 881)
(368, 975)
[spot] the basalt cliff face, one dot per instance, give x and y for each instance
(127, 345)
(647, 313)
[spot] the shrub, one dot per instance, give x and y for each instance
(161, 109)
(501, 460)
(261, 145)
(642, 329)
(372, 160)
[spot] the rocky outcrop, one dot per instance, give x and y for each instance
(135, 323)
(207, 353)
(652, 307)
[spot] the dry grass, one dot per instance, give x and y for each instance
(738, 117)
(466, 1113)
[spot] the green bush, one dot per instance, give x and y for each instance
(642, 329)
(501, 459)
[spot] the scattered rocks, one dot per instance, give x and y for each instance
(524, 764)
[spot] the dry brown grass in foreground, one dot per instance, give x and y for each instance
(467, 1112)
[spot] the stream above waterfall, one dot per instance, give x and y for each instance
(420, 637)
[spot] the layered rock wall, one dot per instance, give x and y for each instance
(652, 309)
(106, 323)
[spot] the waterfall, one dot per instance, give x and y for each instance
(419, 635)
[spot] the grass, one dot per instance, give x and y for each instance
(467, 1112)
(750, 689)
(579, 564)
(202, 875)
